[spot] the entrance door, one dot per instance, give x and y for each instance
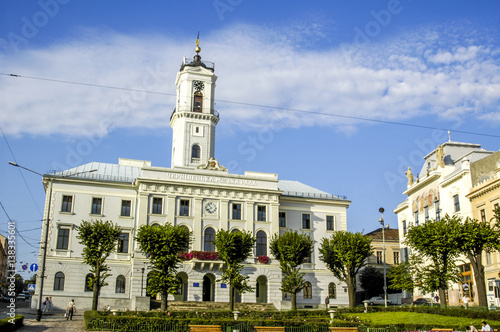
(207, 288)
(261, 291)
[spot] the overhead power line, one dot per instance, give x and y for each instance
(359, 118)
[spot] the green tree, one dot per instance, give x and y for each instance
(371, 279)
(99, 239)
(233, 248)
(436, 252)
(291, 249)
(163, 245)
(345, 253)
(478, 237)
(402, 277)
(19, 283)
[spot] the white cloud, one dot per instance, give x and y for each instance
(413, 75)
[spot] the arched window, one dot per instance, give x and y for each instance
(88, 277)
(307, 290)
(261, 243)
(120, 284)
(332, 290)
(59, 281)
(209, 239)
(195, 151)
(235, 230)
(198, 102)
(185, 249)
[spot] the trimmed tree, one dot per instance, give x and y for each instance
(291, 249)
(478, 237)
(345, 253)
(401, 277)
(436, 252)
(371, 279)
(163, 244)
(99, 239)
(233, 248)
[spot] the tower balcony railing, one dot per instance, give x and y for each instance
(216, 113)
(208, 64)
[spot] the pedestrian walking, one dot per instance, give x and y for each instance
(46, 305)
(465, 301)
(50, 303)
(70, 309)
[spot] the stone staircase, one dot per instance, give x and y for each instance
(212, 306)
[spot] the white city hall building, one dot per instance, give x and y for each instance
(196, 192)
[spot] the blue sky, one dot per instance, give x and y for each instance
(320, 67)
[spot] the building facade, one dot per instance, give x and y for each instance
(439, 188)
(198, 193)
(485, 198)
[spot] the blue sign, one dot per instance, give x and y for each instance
(196, 284)
(31, 287)
(34, 267)
(25, 267)
(223, 285)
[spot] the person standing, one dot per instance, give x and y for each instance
(327, 302)
(70, 309)
(465, 301)
(486, 327)
(436, 299)
(49, 303)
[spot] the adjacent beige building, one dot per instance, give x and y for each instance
(484, 198)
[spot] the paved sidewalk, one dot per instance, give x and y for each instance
(51, 322)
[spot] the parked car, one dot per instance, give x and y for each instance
(377, 300)
(422, 301)
(21, 297)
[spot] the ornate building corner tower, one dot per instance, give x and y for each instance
(194, 118)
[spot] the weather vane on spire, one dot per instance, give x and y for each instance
(198, 49)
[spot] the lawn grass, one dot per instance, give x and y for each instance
(414, 318)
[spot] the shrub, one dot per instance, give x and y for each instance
(6, 325)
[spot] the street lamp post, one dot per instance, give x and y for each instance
(45, 228)
(142, 280)
(381, 220)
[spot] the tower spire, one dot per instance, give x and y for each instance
(197, 48)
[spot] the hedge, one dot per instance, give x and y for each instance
(6, 325)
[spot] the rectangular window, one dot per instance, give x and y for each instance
(67, 203)
(282, 219)
(379, 257)
(426, 213)
(438, 210)
(404, 227)
(456, 203)
(236, 211)
(123, 243)
(396, 257)
(157, 205)
(306, 221)
(330, 226)
(96, 205)
(488, 258)
(415, 214)
(184, 207)
(63, 238)
(261, 213)
(483, 215)
(126, 208)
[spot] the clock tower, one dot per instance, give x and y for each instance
(194, 118)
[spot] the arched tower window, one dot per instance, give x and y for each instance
(209, 239)
(195, 151)
(332, 290)
(261, 243)
(59, 281)
(198, 102)
(88, 277)
(120, 284)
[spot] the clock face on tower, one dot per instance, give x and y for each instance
(198, 85)
(210, 207)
